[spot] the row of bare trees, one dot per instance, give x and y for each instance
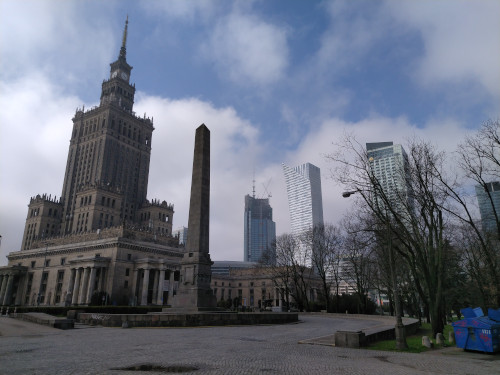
(429, 218)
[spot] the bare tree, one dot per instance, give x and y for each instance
(359, 261)
(325, 248)
(411, 212)
(289, 269)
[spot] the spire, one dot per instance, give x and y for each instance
(123, 50)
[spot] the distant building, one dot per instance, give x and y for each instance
(388, 163)
(305, 202)
(258, 288)
(489, 205)
(223, 267)
(260, 229)
(182, 233)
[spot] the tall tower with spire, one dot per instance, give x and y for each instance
(107, 169)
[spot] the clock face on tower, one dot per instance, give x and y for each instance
(124, 75)
(114, 74)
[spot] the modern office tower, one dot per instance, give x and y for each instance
(388, 164)
(303, 186)
(489, 205)
(260, 229)
(182, 233)
(102, 239)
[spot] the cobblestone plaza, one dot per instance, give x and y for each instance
(277, 349)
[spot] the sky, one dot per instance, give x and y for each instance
(275, 81)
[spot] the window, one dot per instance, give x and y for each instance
(127, 271)
(125, 285)
(63, 261)
(129, 256)
(47, 262)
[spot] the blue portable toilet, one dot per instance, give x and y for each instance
(477, 332)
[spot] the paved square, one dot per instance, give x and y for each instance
(26, 348)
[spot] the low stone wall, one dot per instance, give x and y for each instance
(389, 334)
(45, 319)
(186, 320)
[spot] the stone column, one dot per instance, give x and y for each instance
(135, 274)
(90, 289)
(76, 286)
(21, 289)
(8, 291)
(83, 286)
(154, 299)
(145, 284)
(71, 283)
(3, 287)
(104, 274)
(159, 297)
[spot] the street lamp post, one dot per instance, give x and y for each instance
(399, 328)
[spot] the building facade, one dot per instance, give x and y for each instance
(102, 238)
(257, 288)
(259, 230)
(305, 202)
(488, 199)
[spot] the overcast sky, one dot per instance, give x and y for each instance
(275, 81)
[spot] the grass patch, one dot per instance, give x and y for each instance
(414, 341)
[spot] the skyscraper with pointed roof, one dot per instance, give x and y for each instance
(102, 237)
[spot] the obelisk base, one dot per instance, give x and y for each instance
(194, 293)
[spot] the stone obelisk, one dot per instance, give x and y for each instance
(194, 291)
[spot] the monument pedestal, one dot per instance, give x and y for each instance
(194, 293)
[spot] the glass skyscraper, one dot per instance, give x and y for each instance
(489, 203)
(260, 229)
(303, 186)
(388, 163)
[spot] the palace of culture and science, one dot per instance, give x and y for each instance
(102, 238)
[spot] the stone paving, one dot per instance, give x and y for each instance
(26, 348)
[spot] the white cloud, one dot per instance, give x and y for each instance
(55, 37)
(350, 36)
(248, 50)
(186, 10)
(461, 40)
(34, 141)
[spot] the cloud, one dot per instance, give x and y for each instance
(34, 141)
(184, 10)
(248, 50)
(55, 38)
(460, 38)
(353, 31)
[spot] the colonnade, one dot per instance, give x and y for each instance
(82, 283)
(141, 287)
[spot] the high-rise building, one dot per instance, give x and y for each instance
(388, 164)
(107, 170)
(489, 205)
(303, 185)
(102, 240)
(260, 229)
